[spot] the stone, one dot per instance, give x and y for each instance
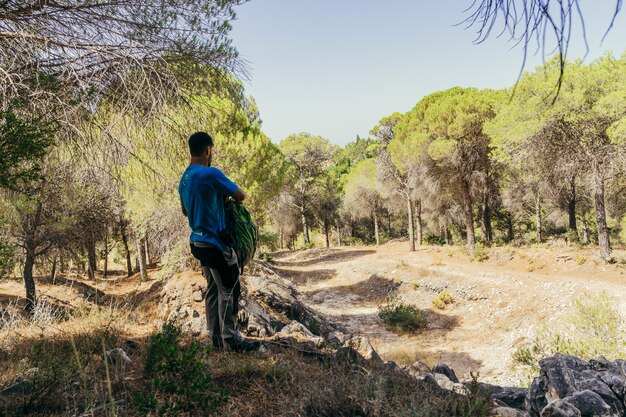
(560, 408)
(300, 333)
(445, 370)
(603, 390)
(508, 412)
(197, 296)
(590, 404)
(536, 396)
(337, 337)
(361, 345)
(420, 366)
(511, 397)
(117, 357)
(560, 380)
(295, 328)
(22, 387)
(197, 326)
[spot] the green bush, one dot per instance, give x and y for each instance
(434, 240)
(177, 378)
(442, 300)
(479, 253)
(595, 329)
(403, 318)
(177, 259)
(7, 259)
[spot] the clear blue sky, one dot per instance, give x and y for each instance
(335, 67)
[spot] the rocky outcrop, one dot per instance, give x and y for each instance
(268, 304)
(270, 308)
(594, 388)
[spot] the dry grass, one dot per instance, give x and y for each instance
(71, 378)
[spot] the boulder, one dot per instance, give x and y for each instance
(445, 370)
(582, 404)
(590, 404)
(560, 408)
(300, 333)
(608, 396)
(357, 351)
(511, 397)
(508, 412)
(197, 295)
(118, 358)
(361, 345)
(23, 387)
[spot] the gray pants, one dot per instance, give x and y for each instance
(221, 322)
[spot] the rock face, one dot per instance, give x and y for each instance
(267, 304)
(568, 386)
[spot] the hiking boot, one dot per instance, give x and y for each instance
(244, 346)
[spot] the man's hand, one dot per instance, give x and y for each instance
(239, 195)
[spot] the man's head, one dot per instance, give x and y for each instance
(200, 147)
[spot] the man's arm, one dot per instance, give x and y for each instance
(239, 195)
(183, 208)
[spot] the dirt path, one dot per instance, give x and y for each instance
(497, 305)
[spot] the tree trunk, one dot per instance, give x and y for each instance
(338, 236)
(409, 208)
(53, 273)
(376, 234)
(538, 218)
(305, 227)
(603, 233)
(61, 263)
(141, 261)
(29, 280)
(510, 233)
(106, 252)
(418, 222)
(571, 206)
(486, 218)
(129, 265)
(469, 217)
(91, 258)
(280, 238)
(326, 232)
(145, 244)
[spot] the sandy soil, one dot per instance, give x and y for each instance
(498, 302)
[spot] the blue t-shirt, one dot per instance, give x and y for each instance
(202, 191)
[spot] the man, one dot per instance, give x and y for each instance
(203, 190)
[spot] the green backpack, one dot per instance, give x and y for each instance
(241, 231)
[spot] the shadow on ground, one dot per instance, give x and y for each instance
(373, 289)
(316, 256)
(305, 277)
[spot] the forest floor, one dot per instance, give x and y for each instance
(498, 302)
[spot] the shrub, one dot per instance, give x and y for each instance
(434, 240)
(177, 378)
(479, 253)
(442, 300)
(580, 259)
(7, 259)
(175, 260)
(403, 318)
(595, 329)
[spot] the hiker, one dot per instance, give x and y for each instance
(203, 190)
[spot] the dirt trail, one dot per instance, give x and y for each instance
(497, 305)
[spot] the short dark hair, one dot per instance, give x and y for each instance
(199, 142)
